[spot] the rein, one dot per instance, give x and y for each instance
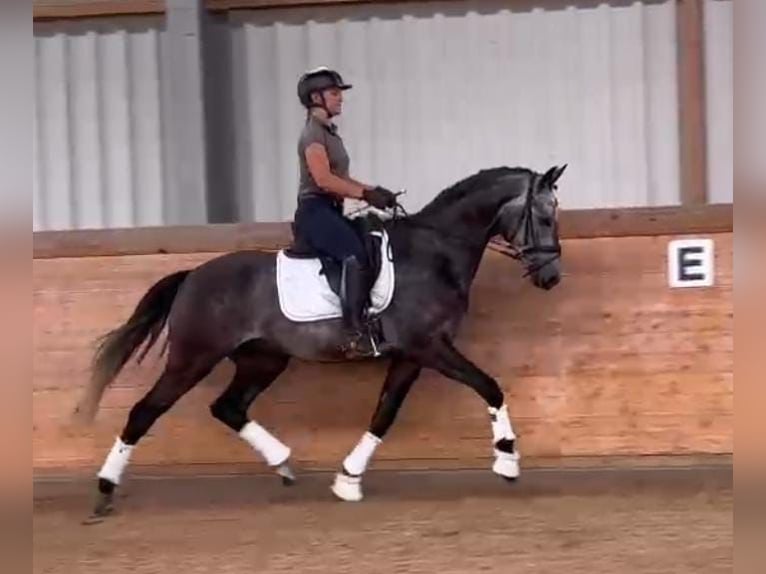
(497, 243)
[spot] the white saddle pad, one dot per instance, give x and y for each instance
(305, 294)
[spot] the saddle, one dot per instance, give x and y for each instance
(332, 269)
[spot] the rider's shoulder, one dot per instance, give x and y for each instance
(313, 131)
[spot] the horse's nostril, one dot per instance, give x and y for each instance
(551, 282)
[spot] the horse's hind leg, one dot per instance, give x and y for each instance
(175, 381)
(256, 369)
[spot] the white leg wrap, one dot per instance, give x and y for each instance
(266, 444)
(116, 461)
(501, 424)
(506, 463)
(356, 462)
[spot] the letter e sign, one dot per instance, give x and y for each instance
(690, 263)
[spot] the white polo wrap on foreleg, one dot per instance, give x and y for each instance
(356, 462)
(506, 463)
(116, 461)
(501, 424)
(273, 451)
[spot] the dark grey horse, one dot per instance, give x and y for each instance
(228, 307)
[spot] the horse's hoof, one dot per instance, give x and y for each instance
(506, 465)
(104, 507)
(286, 474)
(347, 488)
(287, 481)
(93, 519)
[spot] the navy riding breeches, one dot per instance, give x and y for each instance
(320, 222)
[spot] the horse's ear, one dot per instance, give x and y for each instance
(558, 173)
(551, 176)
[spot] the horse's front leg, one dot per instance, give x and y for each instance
(446, 359)
(401, 374)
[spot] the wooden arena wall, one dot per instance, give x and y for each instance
(612, 363)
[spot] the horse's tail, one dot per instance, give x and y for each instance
(117, 347)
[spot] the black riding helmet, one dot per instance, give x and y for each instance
(318, 79)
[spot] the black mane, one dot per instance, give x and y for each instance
(483, 179)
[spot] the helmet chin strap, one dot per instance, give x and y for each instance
(322, 106)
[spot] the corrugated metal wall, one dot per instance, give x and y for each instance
(442, 89)
(445, 89)
(719, 87)
(98, 119)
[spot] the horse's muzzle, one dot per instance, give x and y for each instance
(547, 276)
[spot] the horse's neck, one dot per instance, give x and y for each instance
(465, 227)
(458, 238)
(471, 218)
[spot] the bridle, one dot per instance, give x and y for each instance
(531, 245)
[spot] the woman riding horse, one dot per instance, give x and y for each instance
(324, 182)
(228, 307)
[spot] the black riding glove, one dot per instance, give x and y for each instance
(380, 197)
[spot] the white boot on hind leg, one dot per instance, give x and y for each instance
(116, 462)
(348, 488)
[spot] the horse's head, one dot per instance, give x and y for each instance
(529, 223)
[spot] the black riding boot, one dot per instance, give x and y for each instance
(354, 291)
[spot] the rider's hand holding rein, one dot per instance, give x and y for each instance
(380, 197)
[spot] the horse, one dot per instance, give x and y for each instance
(228, 307)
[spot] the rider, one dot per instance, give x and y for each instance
(324, 182)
